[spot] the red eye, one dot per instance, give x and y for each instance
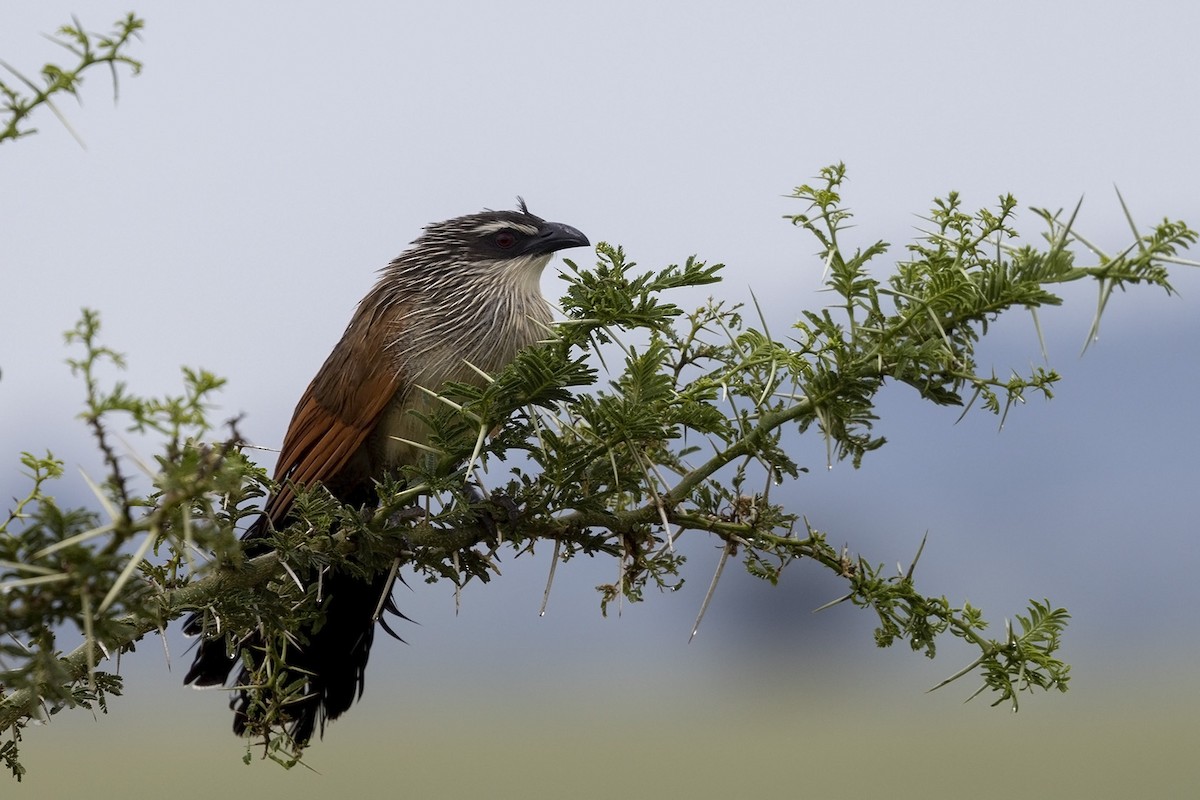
(505, 240)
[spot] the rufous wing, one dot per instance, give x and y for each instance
(338, 411)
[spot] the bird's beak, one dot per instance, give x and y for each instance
(554, 236)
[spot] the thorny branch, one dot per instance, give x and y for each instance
(684, 438)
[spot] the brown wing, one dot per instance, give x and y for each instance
(338, 411)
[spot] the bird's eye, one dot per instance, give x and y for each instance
(505, 240)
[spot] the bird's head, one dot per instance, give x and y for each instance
(468, 290)
(517, 240)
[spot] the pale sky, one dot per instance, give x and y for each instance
(232, 208)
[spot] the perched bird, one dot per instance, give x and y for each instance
(466, 293)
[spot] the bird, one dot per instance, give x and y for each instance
(465, 296)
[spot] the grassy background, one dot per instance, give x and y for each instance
(752, 734)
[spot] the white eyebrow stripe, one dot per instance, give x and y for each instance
(500, 225)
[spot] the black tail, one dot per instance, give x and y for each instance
(331, 658)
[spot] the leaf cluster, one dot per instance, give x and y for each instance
(96, 571)
(89, 49)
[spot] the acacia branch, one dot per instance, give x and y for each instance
(91, 50)
(602, 455)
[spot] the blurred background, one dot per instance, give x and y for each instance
(230, 210)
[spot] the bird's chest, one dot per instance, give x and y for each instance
(402, 436)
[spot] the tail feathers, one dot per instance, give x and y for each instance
(331, 659)
(212, 663)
